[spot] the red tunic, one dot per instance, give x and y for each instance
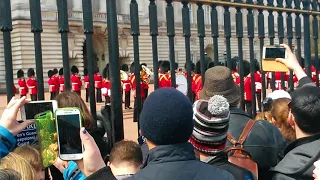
(97, 81)
(258, 81)
(236, 77)
(23, 88)
(278, 81)
(106, 87)
(126, 85)
(52, 84)
(61, 82)
(145, 82)
(197, 85)
(57, 83)
(32, 86)
(164, 80)
(14, 89)
(76, 83)
(247, 88)
(133, 85)
(86, 82)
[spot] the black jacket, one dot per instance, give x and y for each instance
(299, 158)
(264, 142)
(177, 162)
(221, 161)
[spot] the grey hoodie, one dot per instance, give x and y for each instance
(299, 158)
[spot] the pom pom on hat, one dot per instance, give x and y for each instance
(218, 105)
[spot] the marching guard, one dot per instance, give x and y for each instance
(164, 78)
(23, 88)
(146, 81)
(52, 84)
(197, 82)
(32, 84)
(106, 87)
(86, 83)
(61, 80)
(98, 85)
(124, 74)
(75, 80)
(56, 79)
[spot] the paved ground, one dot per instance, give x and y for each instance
(130, 128)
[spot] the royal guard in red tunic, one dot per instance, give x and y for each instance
(86, 83)
(124, 74)
(106, 86)
(197, 82)
(75, 80)
(235, 74)
(247, 87)
(134, 87)
(32, 84)
(165, 78)
(23, 88)
(52, 84)
(56, 78)
(258, 83)
(98, 84)
(61, 80)
(146, 80)
(278, 81)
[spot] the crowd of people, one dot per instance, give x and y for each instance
(183, 139)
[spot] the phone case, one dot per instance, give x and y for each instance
(47, 137)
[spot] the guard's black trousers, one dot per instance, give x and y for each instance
(127, 99)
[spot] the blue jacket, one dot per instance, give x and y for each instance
(7, 142)
(175, 162)
(73, 172)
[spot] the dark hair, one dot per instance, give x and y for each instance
(96, 70)
(30, 72)
(305, 106)
(105, 72)
(210, 65)
(50, 73)
(74, 70)
(61, 71)
(9, 174)
(126, 151)
(256, 65)
(125, 67)
(55, 71)
(20, 73)
(246, 68)
(85, 71)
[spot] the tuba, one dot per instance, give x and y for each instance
(145, 74)
(124, 75)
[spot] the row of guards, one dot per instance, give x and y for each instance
(294, 11)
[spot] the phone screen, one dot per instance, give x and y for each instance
(273, 53)
(69, 137)
(32, 109)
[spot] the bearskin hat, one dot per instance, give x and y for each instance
(106, 72)
(192, 66)
(125, 67)
(61, 71)
(165, 66)
(30, 72)
(85, 71)
(20, 73)
(55, 71)
(50, 73)
(96, 70)
(74, 70)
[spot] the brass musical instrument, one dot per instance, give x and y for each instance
(124, 75)
(145, 74)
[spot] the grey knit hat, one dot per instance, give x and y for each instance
(211, 122)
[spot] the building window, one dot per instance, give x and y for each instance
(190, 13)
(207, 16)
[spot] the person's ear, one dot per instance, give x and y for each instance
(291, 120)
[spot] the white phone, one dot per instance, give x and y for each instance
(30, 109)
(273, 52)
(68, 122)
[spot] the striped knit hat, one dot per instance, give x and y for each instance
(211, 122)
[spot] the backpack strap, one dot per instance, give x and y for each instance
(246, 131)
(243, 136)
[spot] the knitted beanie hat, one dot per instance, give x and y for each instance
(211, 122)
(166, 117)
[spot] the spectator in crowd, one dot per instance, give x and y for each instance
(33, 157)
(125, 159)
(211, 121)
(302, 153)
(280, 114)
(9, 174)
(19, 164)
(69, 99)
(265, 141)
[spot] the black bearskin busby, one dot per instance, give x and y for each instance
(74, 70)
(31, 72)
(61, 71)
(50, 73)
(20, 73)
(125, 67)
(165, 66)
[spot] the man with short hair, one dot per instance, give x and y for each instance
(125, 159)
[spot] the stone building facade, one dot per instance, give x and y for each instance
(23, 43)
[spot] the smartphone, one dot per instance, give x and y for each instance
(269, 56)
(68, 123)
(30, 109)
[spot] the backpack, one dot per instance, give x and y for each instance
(240, 156)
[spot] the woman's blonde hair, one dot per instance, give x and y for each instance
(19, 164)
(71, 99)
(280, 112)
(32, 155)
(264, 116)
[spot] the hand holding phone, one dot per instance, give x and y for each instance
(30, 109)
(68, 122)
(269, 56)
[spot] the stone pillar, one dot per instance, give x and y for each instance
(76, 5)
(102, 6)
